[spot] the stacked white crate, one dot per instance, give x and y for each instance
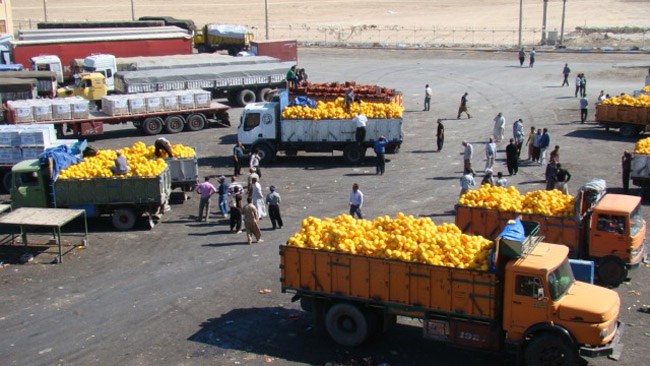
(154, 102)
(115, 105)
(20, 142)
(201, 98)
(170, 101)
(22, 110)
(185, 99)
(42, 110)
(137, 104)
(80, 107)
(61, 109)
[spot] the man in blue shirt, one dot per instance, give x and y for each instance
(544, 143)
(380, 150)
(223, 196)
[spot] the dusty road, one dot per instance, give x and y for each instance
(187, 294)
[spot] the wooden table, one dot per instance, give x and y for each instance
(54, 218)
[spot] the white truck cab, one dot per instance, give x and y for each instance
(103, 64)
(48, 63)
(258, 122)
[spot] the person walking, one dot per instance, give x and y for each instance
(380, 150)
(626, 165)
(550, 175)
(490, 153)
(235, 204)
(273, 200)
(223, 196)
(238, 157)
(518, 134)
(584, 104)
(583, 85)
(565, 72)
(537, 140)
(258, 199)
(529, 142)
(544, 143)
(254, 162)
(499, 127)
(501, 180)
(468, 152)
(360, 121)
(440, 135)
(427, 97)
(206, 190)
(251, 222)
(522, 57)
(578, 81)
(531, 56)
(356, 201)
(562, 178)
(463, 106)
(512, 157)
(466, 182)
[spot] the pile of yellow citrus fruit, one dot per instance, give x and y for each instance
(642, 100)
(179, 150)
(541, 202)
(338, 110)
(642, 146)
(404, 238)
(99, 166)
(646, 89)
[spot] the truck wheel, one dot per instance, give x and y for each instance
(245, 97)
(550, 349)
(6, 182)
(354, 154)
(266, 152)
(346, 324)
(201, 49)
(265, 95)
(628, 131)
(174, 124)
(392, 149)
(123, 218)
(152, 126)
(195, 122)
(611, 271)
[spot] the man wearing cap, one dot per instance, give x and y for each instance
(273, 200)
(223, 196)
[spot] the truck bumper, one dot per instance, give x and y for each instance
(643, 258)
(612, 350)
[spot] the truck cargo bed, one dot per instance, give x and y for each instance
(421, 287)
(338, 130)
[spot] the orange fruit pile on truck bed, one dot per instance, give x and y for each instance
(541, 202)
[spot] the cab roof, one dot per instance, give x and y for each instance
(544, 258)
(26, 166)
(259, 107)
(618, 203)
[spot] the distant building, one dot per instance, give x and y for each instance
(6, 18)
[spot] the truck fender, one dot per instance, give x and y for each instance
(548, 328)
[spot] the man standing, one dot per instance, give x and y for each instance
(273, 200)
(427, 97)
(356, 201)
(522, 57)
(440, 135)
(512, 157)
(583, 85)
(490, 153)
(251, 222)
(162, 144)
(257, 198)
(223, 196)
(499, 127)
(578, 84)
(360, 134)
(466, 181)
(206, 190)
(532, 57)
(292, 78)
(562, 178)
(237, 157)
(380, 150)
(566, 71)
(647, 78)
(349, 97)
(550, 174)
(235, 205)
(254, 163)
(544, 143)
(583, 109)
(626, 163)
(467, 157)
(463, 106)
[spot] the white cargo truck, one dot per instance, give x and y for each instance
(262, 127)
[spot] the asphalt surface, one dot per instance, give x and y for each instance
(188, 293)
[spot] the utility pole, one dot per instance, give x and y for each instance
(544, 22)
(521, 15)
(45, 9)
(132, 11)
(562, 27)
(266, 17)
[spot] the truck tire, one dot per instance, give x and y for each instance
(174, 124)
(392, 149)
(354, 153)
(265, 95)
(550, 349)
(195, 122)
(346, 324)
(629, 131)
(202, 49)
(152, 126)
(123, 218)
(267, 153)
(245, 97)
(6, 182)
(611, 271)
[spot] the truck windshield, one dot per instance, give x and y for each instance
(636, 221)
(560, 280)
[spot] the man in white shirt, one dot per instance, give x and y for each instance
(499, 127)
(360, 120)
(490, 153)
(427, 97)
(467, 157)
(356, 201)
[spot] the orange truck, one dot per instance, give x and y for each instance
(608, 229)
(530, 306)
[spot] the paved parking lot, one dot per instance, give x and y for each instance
(187, 293)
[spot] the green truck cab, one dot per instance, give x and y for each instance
(125, 199)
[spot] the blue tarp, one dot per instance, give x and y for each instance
(303, 102)
(514, 231)
(62, 157)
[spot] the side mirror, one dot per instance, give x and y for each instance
(540, 294)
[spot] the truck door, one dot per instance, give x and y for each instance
(609, 236)
(250, 129)
(28, 190)
(529, 303)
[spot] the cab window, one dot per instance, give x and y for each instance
(27, 179)
(109, 73)
(251, 121)
(636, 221)
(611, 223)
(527, 286)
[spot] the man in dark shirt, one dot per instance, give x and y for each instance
(440, 135)
(512, 157)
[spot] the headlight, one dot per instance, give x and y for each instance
(603, 333)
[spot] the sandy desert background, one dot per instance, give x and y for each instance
(293, 18)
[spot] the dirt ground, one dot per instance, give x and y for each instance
(187, 293)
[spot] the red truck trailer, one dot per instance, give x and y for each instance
(284, 49)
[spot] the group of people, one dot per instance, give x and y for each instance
(295, 76)
(522, 57)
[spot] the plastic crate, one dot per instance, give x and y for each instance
(583, 270)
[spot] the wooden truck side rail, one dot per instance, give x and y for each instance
(422, 288)
(630, 120)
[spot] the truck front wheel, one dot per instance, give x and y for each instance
(611, 271)
(123, 218)
(354, 154)
(245, 97)
(174, 124)
(629, 131)
(346, 324)
(6, 182)
(152, 126)
(550, 349)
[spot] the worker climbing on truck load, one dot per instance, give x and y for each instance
(121, 165)
(292, 77)
(360, 121)
(162, 144)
